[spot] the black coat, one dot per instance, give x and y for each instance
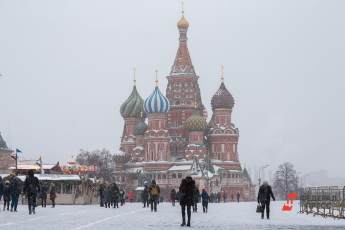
(187, 192)
(1, 186)
(7, 192)
(265, 194)
(16, 186)
(205, 197)
(31, 186)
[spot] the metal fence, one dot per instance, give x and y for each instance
(323, 201)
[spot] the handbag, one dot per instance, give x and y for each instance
(259, 208)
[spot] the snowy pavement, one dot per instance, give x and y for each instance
(229, 216)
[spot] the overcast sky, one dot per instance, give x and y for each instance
(67, 67)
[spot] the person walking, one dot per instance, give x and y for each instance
(43, 195)
(154, 192)
(101, 194)
(187, 190)
(264, 198)
(16, 190)
(173, 196)
(31, 188)
(115, 193)
(145, 195)
(238, 196)
(52, 194)
(205, 199)
(7, 195)
(1, 188)
(196, 199)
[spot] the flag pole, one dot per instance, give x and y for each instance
(16, 162)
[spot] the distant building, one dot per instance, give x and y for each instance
(177, 141)
(25, 165)
(6, 161)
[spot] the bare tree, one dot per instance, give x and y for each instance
(102, 159)
(285, 180)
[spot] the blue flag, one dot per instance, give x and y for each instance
(18, 151)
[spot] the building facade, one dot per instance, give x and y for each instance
(6, 161)
(177, 141)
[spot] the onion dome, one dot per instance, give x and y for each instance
(183, 23)
(222, 99)
(195, 123)
(156, 103)
(140, 128)
(133, 106)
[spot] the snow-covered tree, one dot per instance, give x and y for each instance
(285, 180)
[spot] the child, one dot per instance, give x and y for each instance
(205, 199)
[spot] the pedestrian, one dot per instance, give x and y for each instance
(264, 198)
(101, 194)
(154, 192)
(187, 190)
(145, 195)
(224, 196)
(16, 190)
(238, 196)
(1, 188)
(43, 195)
(107, 196)
(232, 197)
(31, 188)
(173, 197)
(115, 194)
(7, 195)
(196, 199)
(52, 194)
(122, 196)
(205, 199)
(218, 197)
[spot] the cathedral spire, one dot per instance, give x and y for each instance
(183, 63)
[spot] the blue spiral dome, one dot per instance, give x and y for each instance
(156, 103)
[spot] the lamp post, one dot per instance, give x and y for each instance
(260, 169)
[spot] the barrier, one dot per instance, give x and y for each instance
(323, 201)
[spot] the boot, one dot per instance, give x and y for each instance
(183, 222)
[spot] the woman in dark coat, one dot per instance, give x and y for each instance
(52, 194)
(187, 190)
(7, 195)
(173, 196)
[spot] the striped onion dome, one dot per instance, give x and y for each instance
(195, 122)
(133, 106)
(156, 103)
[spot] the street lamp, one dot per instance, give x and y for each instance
(260, 169)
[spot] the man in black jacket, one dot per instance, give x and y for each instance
(264, 198)
(16, 190)
(187, 190)
(31, 188)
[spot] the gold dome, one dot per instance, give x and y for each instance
(183, 23)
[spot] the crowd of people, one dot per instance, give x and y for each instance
(111, 196)
(11, 188)
(188, 195)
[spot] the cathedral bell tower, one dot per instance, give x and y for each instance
(182, 91)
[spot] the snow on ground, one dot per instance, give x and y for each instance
(229, 216)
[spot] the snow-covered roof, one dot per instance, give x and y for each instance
(58, 177)
(134, 170)
(180, 168)
(50, 177)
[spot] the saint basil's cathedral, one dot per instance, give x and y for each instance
(177, 141)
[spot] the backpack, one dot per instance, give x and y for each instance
(154, 191)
